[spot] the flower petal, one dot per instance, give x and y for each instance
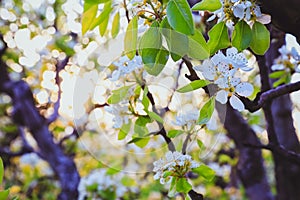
(236, 103)
(222, 96)
(244, 89)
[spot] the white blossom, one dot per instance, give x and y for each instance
(174, 162)
(289, 60)
(120, 112)
(240, 9)
(102, 182)
(187, 119)
(125, 66)
(221, 69)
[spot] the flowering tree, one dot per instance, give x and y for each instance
(106, 99)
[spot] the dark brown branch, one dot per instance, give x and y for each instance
(195, 196)
(59, 66)
(26, 114)
(162, 130)
(268, 95)
(278, 149)
(185, 143)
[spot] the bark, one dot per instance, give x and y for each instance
(250, 166)
(287, 173)
(285, 14)
(25, 114)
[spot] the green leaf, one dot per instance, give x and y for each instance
(198, 48)
(118, 94)
(200, 144)
(140, 142)
(209, 5)
(131, 36)
(145, 99)
(218, 38)
(127, 181)
(140, 126)
(155, 117)
(180, 16)
(260, 38)
(177, 42)
(103, 26)
(174, 133)
(206, 111)
(241, 35)
(205, 171)
(103, 17)
(194, 85)
(1, 170)
(124, 131)
(153, 54)
(172, 190)
(88, 16)
(115, 25)
(277, 74)
(4, 194)
(95, 1)
(183, 185)
(280, 81)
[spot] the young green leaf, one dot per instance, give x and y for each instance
(4, 194)
(153, 54)
(118, 94)
(115, 25)
(194, 85)
(260, 38)
(209, 5)
(140, 142)
(90, 12)
(124, 131)
(155, 117)
(206, 111)
(174, 133)
(200, 144)
(180, 16)
(103, 26)
(205, 171)
(103, 16)
(241, 35)
(177, 42)
(1, 170)
(140, 128)
(145, 99)
(218, 38)
(131, 37)
(95, 1)
(277, 74)
(198, 48)
(183, 185)
(172, 190)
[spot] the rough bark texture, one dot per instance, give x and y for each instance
(285, 14)
(25, 114)
(250, 166)
(287, 173)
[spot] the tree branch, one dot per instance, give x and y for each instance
(263, 98)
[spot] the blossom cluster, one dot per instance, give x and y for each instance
(98, 180)
(125, 66)
(237, 9)
(222, 71)
(289, 60)
(175, 165)
(120, 112)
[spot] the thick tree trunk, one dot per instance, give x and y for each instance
(287, 173)
(26, 114)
(250, 166)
